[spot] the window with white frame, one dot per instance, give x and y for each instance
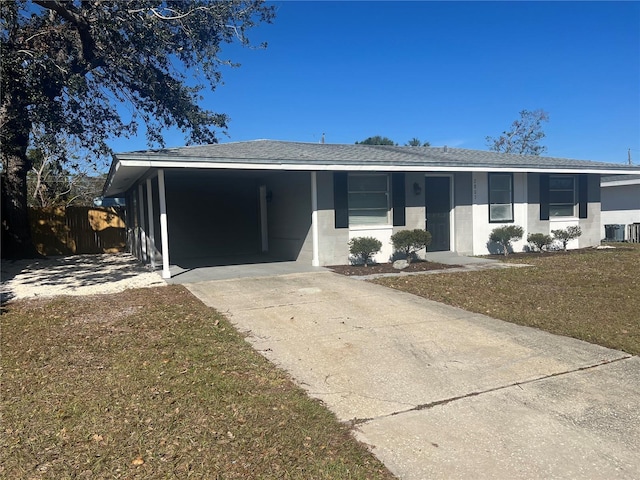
(500, 197)
(368, 199)
(562, 195)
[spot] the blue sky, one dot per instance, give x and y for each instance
(450, 73)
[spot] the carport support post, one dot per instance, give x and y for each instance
(315, 259)
(164, 232)
(152, 237)
(143, 227)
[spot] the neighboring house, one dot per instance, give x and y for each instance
(305, 201)
(620, 199)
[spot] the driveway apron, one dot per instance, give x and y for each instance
(438, 392)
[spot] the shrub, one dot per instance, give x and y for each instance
(539, 240)
(363, 248)
(410, 241)
(567, 234)
(505, 235)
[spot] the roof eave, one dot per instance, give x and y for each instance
(257, 164)
(620, 183)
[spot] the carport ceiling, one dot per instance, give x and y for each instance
(186, 174)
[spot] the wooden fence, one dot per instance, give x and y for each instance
(78, 230)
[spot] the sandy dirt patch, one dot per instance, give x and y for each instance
(74, 275)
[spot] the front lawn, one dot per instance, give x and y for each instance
(593, 295)
(150, 384)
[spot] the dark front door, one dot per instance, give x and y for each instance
(437, 201)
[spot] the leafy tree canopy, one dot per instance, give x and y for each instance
(416, 142)
(380, 140)
(377, 140)
(524, 136)
(69, 65)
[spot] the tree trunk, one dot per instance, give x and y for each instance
(16, 233)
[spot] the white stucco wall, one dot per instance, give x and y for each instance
(482, 227)
(561, 224)
(379, 232)
(469, 219)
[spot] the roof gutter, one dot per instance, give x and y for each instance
(621, 182)
(370, 166)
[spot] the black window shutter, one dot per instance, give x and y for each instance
(341, 199)
(544, 197)
(583, 195)
(398, 199)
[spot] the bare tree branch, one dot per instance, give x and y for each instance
(176, 15)
(524, 136)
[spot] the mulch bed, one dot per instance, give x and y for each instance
(378, 268)
(424, 266)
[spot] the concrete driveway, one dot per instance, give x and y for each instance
(440, 393)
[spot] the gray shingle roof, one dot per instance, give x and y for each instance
(280, 152)
(128, 168)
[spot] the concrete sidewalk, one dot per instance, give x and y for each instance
(438, 392)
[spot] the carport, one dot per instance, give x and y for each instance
(204, 215)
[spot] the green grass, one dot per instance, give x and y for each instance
(593, 295)
(151, 383)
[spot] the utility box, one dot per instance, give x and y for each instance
(614, 233)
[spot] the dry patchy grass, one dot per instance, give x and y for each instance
(593, 295)
(151, 383)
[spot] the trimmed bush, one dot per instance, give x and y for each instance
(363, 248)
(505, 235)
(540, 241)
(410, 241)
(567, 234)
